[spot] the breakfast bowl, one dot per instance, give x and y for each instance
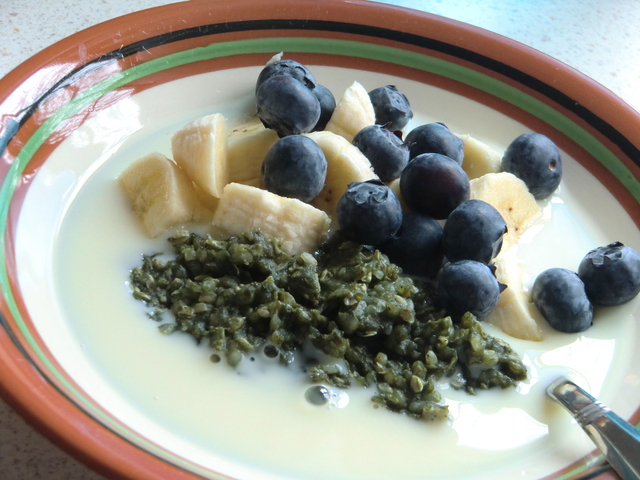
(80, 359)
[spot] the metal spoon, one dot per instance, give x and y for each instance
(618, 440)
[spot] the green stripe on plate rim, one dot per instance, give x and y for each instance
(269, 45)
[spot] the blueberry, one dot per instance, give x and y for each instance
(559, 295)
(611, 274)
(535, 160)
(417, 246)
(369, 212)
(287, 106)
(327, 106)
(434, 184)
(384, 149)
(435, 138)
(289, 68)
(468, 286)
(473, 231)
(391, 107)
(295, 167)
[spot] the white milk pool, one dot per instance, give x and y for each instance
(258, 424)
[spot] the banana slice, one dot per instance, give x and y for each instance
(200, 149)
(160, 193)
(276, 58)
(248, 143)
(479, 158)
(345, 164)
(301, 227)
(353, 112)
(515, 314)
(208, 205)
(511, 197)
(394, 185)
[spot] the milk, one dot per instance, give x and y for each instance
(254, 422)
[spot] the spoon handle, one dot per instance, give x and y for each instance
(618, 440)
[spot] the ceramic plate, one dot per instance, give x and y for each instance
(78, 355)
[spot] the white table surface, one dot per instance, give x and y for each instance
(598, 38)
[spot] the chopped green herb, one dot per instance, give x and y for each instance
(349, 301)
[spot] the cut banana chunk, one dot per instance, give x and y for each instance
(160, 193)
(276, 58)
(208, 205)
(479, 158)
(515, 314)
(511, 197)
(353, 112)
(248, 144)
(301, 227)
(345, 164)
(394, 185)
(200, 149)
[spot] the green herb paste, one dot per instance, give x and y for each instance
(349, 301)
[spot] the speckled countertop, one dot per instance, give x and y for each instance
(600, 39)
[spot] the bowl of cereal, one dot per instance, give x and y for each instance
(140, 345)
